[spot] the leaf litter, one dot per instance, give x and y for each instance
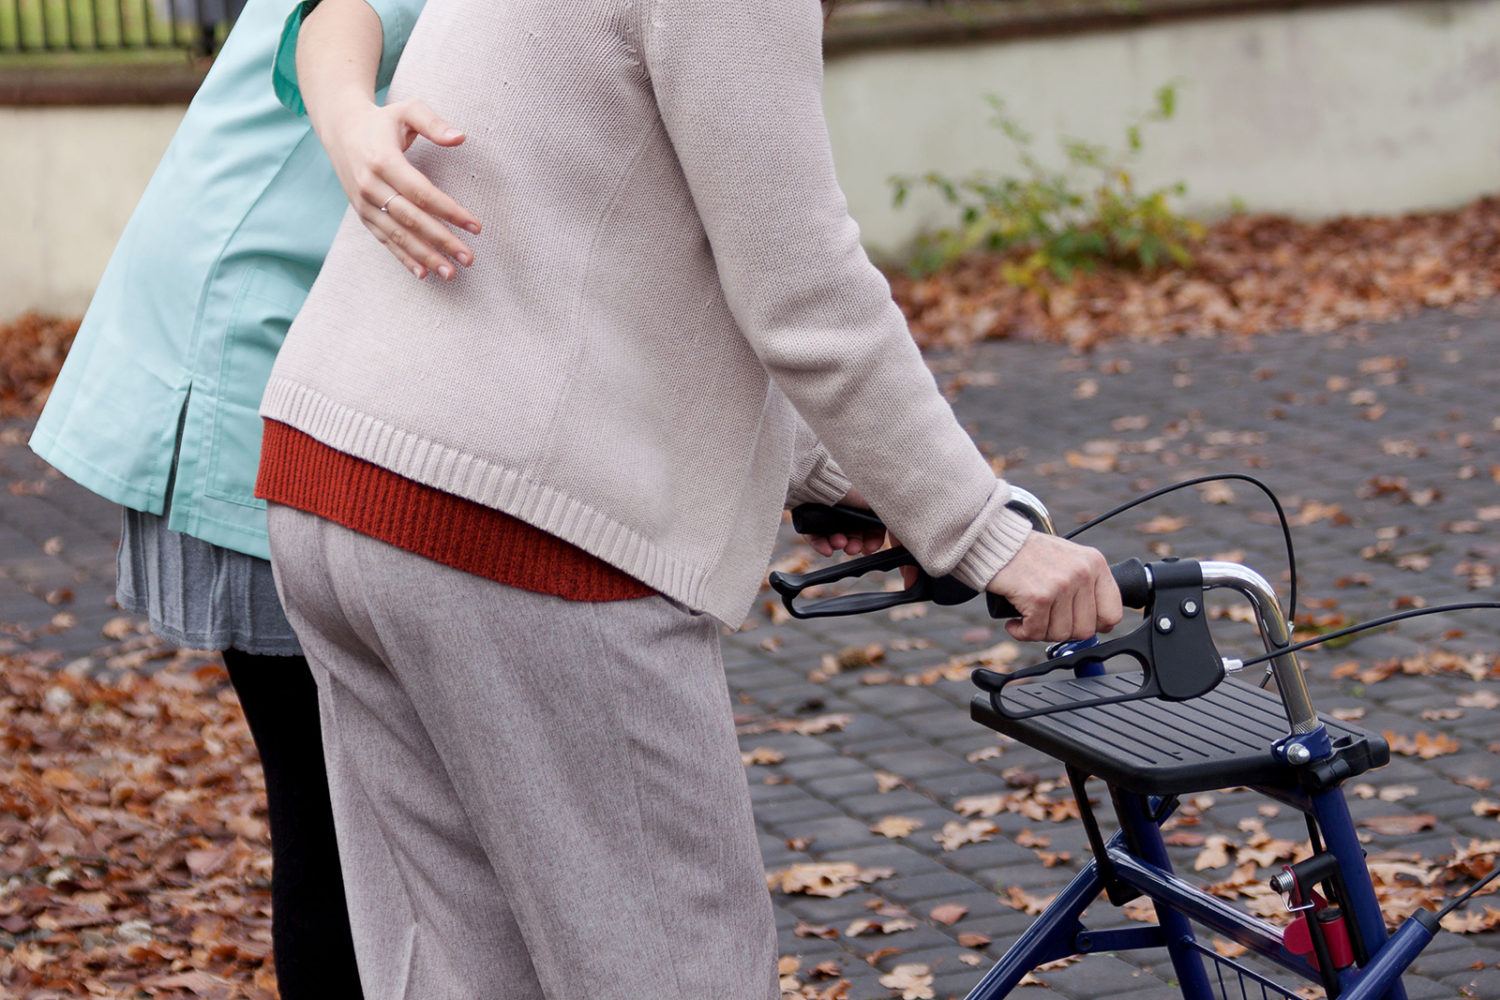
(134, 848)
(1252, 274)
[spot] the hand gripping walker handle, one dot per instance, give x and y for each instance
(1172, 647)
(1131, 576)
(823, 519)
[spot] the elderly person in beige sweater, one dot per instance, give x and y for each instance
(511, 512)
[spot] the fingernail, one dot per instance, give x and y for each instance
(473, 227)
(453, 133)
(417, 270)
(446, 271)
(465, 259)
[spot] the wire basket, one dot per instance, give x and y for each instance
(1233, 981)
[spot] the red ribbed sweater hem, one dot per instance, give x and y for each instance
(299, 471)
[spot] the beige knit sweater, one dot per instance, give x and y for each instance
(668, 277)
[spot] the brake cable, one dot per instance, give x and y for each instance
(1372, 623)
(1286, 528)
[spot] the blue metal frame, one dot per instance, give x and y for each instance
(1059, 933)
(1337, 827)
(1137, 857)
(1150, 849)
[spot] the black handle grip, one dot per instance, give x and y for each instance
(1134, 581)
(943, 590)
(1130, 576)
(791, 585)
(833, 519)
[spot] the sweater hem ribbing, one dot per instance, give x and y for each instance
(452, 471)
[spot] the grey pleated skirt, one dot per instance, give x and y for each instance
(198, 595)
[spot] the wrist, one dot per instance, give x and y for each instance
(338, 56)
(993, 550)
(333, 108)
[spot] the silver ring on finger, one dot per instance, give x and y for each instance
(386, 208)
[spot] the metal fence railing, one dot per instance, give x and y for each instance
(38, 26)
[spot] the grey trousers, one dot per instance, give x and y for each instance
(535, 798)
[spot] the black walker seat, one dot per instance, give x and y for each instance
(1222, 739)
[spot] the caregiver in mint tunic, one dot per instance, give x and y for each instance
(163, 382)
(155, 409)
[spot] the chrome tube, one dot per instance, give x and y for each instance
(1275, 632)
(1026, 503)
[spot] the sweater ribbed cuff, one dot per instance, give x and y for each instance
(996, 546)
(824, 483)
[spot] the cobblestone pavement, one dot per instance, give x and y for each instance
(1382, 444)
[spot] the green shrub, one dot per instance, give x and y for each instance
(1060, 221)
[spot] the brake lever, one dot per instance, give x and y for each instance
(944, 590)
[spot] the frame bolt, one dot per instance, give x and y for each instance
(1296, 753)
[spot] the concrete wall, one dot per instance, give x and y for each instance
(1364, 108)
(1373, 108)
(69, 178)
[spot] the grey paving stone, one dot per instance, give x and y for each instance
(974, 858)
(940, 725)
(1003, 926)
(775, 853)
(758, 676)
(930, 888)
(897, 698)
(960, 783)
(763, 793)
(895, 741)
(1101, 976)
(900, 801)
(1455, 957)
(1478, 984)
(836, 912)
(1027, 875)
(794, 809)
(883, 853)
(792, 746)
(794, 697)
(864, 729)
(1419, 988)
(976, 904)
(829, 765)
(919, 763)
(826, 833)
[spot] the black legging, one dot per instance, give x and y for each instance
(313, 950)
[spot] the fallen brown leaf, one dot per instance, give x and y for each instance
(1423, 745)
(948, 914)
(868, 925)
(895, 827)
(1393, 826)
(761, 755)
(824, 878)
(955, 834)
(913, 981)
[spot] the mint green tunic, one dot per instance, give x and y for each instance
(156, 404)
